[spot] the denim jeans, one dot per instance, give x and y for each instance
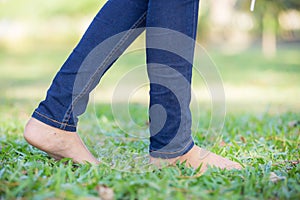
(113, 29)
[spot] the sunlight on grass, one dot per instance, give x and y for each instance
(248, 87)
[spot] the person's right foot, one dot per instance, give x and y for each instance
(57, 143)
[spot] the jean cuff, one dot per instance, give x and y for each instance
(168, 155)
(51, 122)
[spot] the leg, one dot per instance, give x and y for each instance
(53, 126)
(170, 74)
(169, 59)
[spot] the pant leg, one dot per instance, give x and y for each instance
(68, 95)
(170, 34)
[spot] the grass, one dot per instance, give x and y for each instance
(262, 139)
(262, 101)
(263, 143)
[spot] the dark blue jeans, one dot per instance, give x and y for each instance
(170, 38)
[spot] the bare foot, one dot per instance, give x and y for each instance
(196, 157)
(57, 143)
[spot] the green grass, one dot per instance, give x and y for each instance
(264, 143)
(256, 131)
(261, 139)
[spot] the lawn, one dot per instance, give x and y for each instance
(265, 140)
(261, 130)
(263, 143)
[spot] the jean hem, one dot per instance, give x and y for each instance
(168, 155)
(51, 122)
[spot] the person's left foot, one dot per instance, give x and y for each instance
(198, 157)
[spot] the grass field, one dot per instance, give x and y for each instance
(261, 131)
(264, 139)
(264, 143)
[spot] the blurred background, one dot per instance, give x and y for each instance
(257, 53)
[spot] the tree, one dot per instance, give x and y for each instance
(266, 13)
